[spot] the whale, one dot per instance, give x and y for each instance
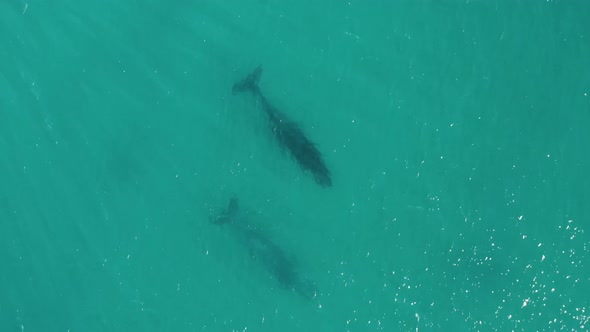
(287, 132)
(262, 249)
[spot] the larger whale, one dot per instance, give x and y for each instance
(287, 132)
(262, 249)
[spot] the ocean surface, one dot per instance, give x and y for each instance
(456, 134)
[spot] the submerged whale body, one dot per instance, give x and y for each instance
(287, 132)
(265, 251)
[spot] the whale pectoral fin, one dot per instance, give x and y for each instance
(248, 83)
(220, 219)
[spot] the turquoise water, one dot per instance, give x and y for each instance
(454, 131)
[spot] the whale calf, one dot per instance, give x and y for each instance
(265, 251)
(287, 132)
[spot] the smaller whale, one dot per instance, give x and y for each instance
(262, 249)
(287, 132)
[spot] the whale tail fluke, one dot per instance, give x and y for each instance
(250, 83)
(229, 214)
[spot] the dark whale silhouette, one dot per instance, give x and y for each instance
(287, 132)
(265, 251)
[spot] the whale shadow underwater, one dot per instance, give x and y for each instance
(287, 132)
(265, 251)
